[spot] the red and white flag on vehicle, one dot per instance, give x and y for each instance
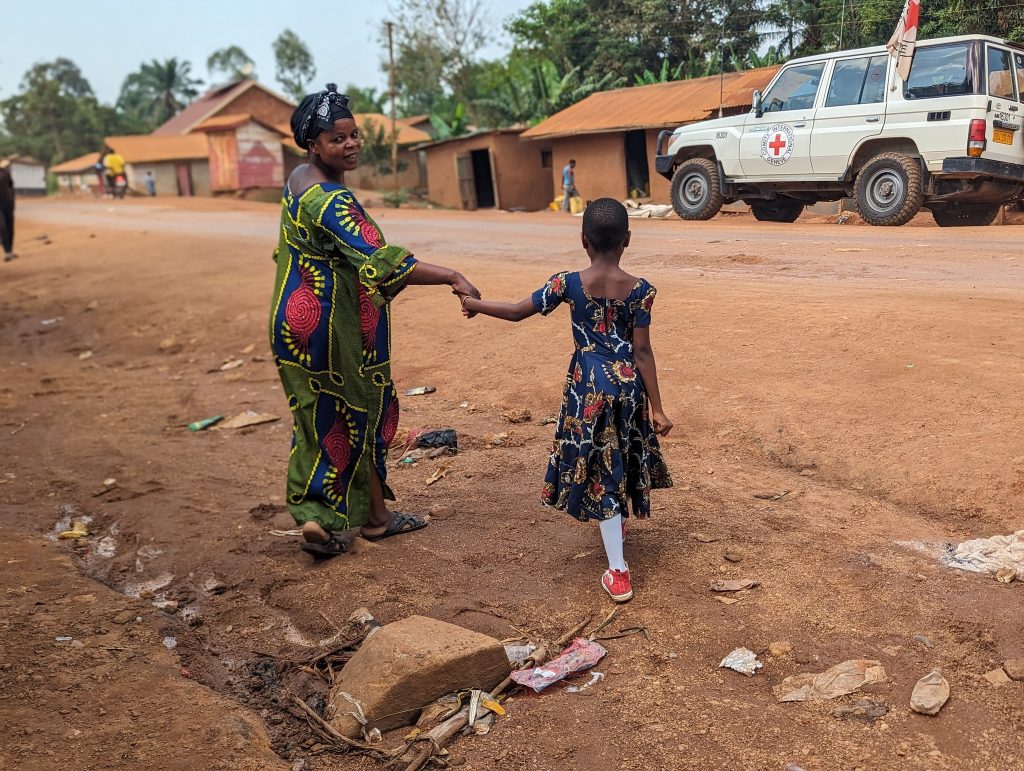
(904, 40)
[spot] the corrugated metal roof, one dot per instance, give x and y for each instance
(147, 148)
(76, 165)
(661, 105)
(471, 135)
(407, 135)
(224, 122)
(209, 103)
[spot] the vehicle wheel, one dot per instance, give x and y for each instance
(953, 216)
(697, 190)
(779, 210)
(890, 189)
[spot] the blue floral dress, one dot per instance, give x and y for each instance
(606, 452)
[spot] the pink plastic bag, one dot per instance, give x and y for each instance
(581, 654)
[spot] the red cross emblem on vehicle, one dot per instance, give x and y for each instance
(777, 144)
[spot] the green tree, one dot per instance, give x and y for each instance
(436, 44)
(157, 91)
(365, 99)
(55, 115)
(232, 62)
(295, 67)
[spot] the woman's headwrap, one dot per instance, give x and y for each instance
(317, 112)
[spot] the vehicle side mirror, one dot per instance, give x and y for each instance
(758, 111)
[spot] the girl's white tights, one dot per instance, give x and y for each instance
(611, 534)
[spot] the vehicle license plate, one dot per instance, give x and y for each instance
(1002, 137)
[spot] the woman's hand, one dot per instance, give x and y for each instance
(662, 425)
(461, 287)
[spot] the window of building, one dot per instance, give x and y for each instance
(545, 159)
(939, 71)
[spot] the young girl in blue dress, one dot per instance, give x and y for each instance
(605, 458)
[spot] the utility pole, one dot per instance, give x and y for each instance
(393, 92)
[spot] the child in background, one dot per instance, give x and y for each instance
(606, 454)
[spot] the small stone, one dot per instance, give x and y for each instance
(167, 606)
(1014, 668)
(704, 538)
(123, 617)
(517, 416)
(84, 355)
(214, 585)
(170, 345)
(93, 305)
(733, 556)
(442, 510)
(780, 649)
(997, 677)
(930, 694)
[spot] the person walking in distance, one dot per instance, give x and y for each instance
(568, 184)
(7, 212)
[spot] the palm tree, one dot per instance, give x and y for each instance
(158, 91)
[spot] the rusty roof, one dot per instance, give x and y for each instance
(224, 122)
(209, 104)
(661, 105)
(76, 165)
(407, 135)
(146, 148)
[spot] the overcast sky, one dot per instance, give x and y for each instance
(107, 39)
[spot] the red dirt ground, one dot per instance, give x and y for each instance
(877, 374)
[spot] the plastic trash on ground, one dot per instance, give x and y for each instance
(519, 653)
(580, 655)
(442, 437)
(990, 555)
(742, 660)
(840, 680)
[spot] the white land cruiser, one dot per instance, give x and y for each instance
(845, 124)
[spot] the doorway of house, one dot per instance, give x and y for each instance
(184, 174)
(483, 180)
(638, 173)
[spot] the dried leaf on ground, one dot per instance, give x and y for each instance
(848, 677)
(733, 585)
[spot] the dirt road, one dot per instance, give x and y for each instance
(876, 374)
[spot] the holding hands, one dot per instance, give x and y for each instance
(464, 290)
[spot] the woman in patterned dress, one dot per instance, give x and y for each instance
(330, 330)
(606, 456)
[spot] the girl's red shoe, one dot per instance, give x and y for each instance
(617, 584)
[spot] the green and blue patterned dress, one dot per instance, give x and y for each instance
(330, 331)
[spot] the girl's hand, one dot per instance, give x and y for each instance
(465, 311)
(662, 425)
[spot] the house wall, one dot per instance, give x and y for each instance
(163, 173)
(260, 105)
(369, 178)
(260, 163)
(201, 178)
(520, 180)
(600, 164)
(660, 187)
(28, 178)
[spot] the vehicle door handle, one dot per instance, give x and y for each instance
(799, 125)
(872, 119)
(1013, 108)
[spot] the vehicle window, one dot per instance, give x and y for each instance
(857, 81)
(1019, 60)
(795, 89)
(939, 71)
(1000, 74)
(874, 84)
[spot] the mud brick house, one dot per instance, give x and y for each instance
(613, 134)
(489, 170)
(179, 164)
(244, 154)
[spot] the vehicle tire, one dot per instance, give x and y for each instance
(697, 190)
(890, 189)
(953, 216)
(778, 210)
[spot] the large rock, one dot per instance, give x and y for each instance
(405, 666)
